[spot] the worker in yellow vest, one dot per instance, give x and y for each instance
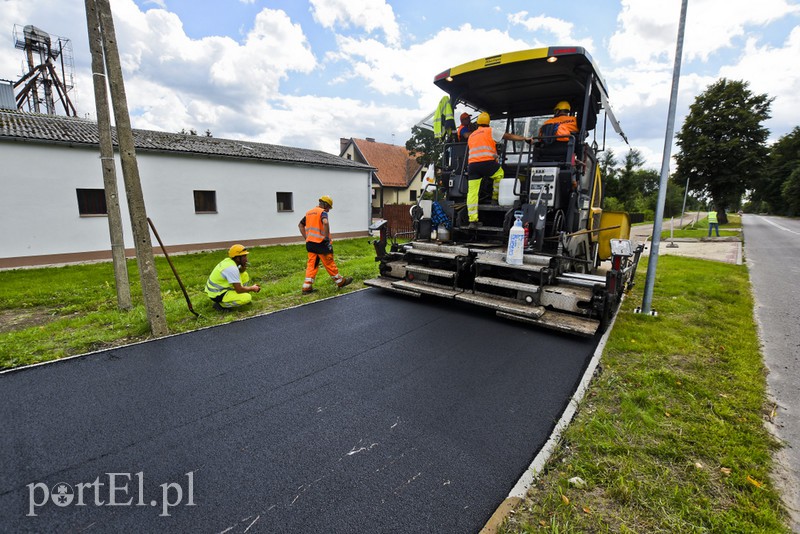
(316, 230)
(713, 222)
(482, 163)
(226, 285)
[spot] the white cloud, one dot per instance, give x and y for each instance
(410, 71)
(156, 49)
(772, 71)
(561, 30)
(367, 14)
(648, 28)
(233, 84)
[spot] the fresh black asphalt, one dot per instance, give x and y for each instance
(364, 413)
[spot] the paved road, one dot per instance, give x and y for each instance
(772, 249)
(363, 413)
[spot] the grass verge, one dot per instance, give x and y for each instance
(700, 229)
(52, 312)
(670, 437)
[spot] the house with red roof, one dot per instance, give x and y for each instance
(397, 178)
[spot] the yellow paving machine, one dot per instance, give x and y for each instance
(577, 260)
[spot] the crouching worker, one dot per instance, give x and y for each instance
(226, 284)
(316, 230)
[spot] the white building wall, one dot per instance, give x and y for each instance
(39, 208)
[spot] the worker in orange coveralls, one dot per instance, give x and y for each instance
(316, 230)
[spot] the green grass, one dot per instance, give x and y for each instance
(54, 312)
(670, 437)
(700, 229)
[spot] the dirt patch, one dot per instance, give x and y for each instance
(14, 320)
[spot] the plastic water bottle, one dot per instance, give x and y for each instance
(443, 233)
(516, 241)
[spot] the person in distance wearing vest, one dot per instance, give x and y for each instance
(482, 163)
(225, 286)
(316, 230)
(713, 222)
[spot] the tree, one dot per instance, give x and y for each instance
(422, 143)
(608, 170)
(784, 159)
(791, 191)
(723, 142)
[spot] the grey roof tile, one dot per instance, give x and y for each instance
(16, 125)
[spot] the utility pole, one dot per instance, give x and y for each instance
(107, 160)
(685, 194)
(662, 190)
(151, 292)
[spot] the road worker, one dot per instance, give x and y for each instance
(316, 230)
(482, 163)
(560, 126)
(713, 222)
(226, 284)
(465, 128)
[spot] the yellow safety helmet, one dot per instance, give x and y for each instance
(483, 119)
(237, 250)
(562, 106)
(327, 200)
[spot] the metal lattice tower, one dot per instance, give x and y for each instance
(42, 89)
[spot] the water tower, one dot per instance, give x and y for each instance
(42, 89)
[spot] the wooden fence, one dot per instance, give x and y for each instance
(399, 218)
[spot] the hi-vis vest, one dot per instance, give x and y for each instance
(314, 231)
(481, 145)
(217, 284)
(559, 126)
(712, 216)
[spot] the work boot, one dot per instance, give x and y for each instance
(217, 306)
(346, 281)
(308, 290)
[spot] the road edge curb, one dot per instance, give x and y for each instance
(520, 489)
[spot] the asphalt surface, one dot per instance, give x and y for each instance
(363, 413)
(772, 248)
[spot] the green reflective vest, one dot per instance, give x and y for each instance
(217, 284)
(712, 217)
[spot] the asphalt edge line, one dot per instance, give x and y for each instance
(520, 489)
(85, 354)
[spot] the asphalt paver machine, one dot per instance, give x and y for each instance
(578, 259)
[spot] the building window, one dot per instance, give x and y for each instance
(284, 201)
(92, 202)
(205, 202)
(349, 157)
(413, 195)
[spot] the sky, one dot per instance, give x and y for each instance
(307, 73)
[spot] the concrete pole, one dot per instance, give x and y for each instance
(107, 160)
(685, 194)
(662, 190)
(154, 306)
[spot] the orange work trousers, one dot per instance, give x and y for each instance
(312, 267)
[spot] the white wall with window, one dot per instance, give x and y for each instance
(253, 201)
